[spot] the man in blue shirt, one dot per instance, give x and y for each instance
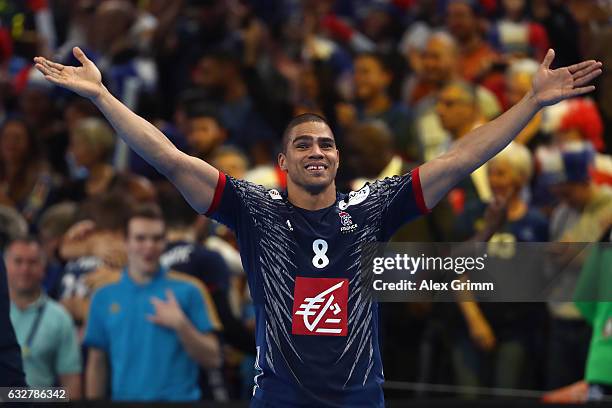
(153, 326)
(316, 326)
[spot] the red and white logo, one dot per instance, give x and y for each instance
(320, 307)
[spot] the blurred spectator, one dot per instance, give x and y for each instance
(25, 179)
(561, 28)
(476, 56)
(231, 161)
(150, 329)
(206, 131)
(459, 114)
(509, 173)
(40, 114)
(519, 75)
(515, 35)
(92, 144)
(78, 109)
(54, 223)
(582, 216)
(12, 226)
(184, 254)
(585, 207)
(44, 329)
(372, 79)
(94, 249)
(219, 74)
(439, 62)
(581, 121)
(496, 346)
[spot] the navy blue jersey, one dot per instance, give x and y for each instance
(198, 261)
(73, 281)
(316, 325)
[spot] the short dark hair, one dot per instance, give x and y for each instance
(298, 120)
(175, 209)
(109, 211)
(147, 211)
(382, 59)
(28, 240)
(204, 110)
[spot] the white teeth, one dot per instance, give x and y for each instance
(315, 167)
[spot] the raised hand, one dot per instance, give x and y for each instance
(85, 80)
(169, 313)
(553, 85)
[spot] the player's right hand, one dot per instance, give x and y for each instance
(85, 80)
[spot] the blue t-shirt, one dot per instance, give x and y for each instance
(316, 325)
(148, 361)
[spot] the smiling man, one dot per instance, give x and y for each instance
(316, 326)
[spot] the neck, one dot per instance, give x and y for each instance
(25, 298)
(302, 198)
(181, 234)
(140, 276)
(377, 104)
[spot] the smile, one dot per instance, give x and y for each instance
(315, 167)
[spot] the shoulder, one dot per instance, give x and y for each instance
(249, 191)
(357, 196)
(58, 316)
(186, 284)
(106, 288)
(58, 311)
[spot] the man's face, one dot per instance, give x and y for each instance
(460, 20)
(455, 109)
(25, 267)
(311, 160)
(208, 74)
(439, 61)
(503, 179)
(14, 143)
(145, 244)
(231, 164)
(204, 135)
(370, 78)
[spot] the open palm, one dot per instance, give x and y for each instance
(85, 80)
(553, 85)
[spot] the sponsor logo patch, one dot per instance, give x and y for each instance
(320, 307)
(275, 194)
(347, 222)
(355, 197)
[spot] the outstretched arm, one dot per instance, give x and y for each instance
(549, 86)
(195, 178)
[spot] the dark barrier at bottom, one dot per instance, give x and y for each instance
(396, 403)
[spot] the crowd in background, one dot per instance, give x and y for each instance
(398, 80)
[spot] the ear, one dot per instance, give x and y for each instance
(282, 162)
(337, 161)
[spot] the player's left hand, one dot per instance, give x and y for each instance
(550, 86)
(169, 313)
